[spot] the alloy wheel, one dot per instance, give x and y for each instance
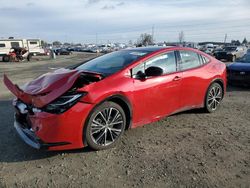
(214, 97)
(106, 126)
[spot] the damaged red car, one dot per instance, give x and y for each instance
(93, 103)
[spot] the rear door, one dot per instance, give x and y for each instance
(194, 79)
(156, 96)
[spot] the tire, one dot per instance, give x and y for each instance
(213, 98)
(29, 57)
(100, 132)
(6, 58)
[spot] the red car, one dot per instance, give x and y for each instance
(92, 103)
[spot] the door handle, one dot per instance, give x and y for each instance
(177, 78)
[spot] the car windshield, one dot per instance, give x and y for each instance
(230, 48)
(113, 62)
(244, 59)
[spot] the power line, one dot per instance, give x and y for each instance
(174, 25)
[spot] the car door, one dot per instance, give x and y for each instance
(156, 96)
(194, 79)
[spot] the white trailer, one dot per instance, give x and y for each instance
(34, 46)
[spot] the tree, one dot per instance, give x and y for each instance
(43, 43)
(66, 44)
(244, 41)
(56, 43)
(181, 37)
(130, 42)
(145, 40)
(78, 44)
(235, 42)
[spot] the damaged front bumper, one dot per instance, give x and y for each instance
(29, 137)
(42, 130)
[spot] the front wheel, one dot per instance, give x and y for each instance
(213, 97)
(6, 58)
(105, 126)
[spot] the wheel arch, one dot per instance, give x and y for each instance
(126, 106)
(220, 82)
(119, 99)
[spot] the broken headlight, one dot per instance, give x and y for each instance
(63, 103)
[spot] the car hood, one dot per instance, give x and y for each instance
(239, 66)
(45, 88)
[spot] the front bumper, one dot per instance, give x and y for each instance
(29, 137)
(42, 130)
(225, 56)
(238, 77)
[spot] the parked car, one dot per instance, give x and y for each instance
(239, 71)
(62, 51)
(93, 103)
(230, 53)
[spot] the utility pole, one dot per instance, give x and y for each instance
(225, 39)
(153, 32)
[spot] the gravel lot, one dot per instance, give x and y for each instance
(189, 149)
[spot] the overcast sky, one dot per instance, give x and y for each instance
(86, 21)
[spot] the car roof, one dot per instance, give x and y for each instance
(149, 48)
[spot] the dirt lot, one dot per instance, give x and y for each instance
(190, 149)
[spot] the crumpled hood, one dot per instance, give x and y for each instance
(47, 82)
(45, 88)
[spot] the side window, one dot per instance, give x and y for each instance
(165, 61)
(2, 45)
(14, 44)
(205, 60)
(139, 68)
(189, 60)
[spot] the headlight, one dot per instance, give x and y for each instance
(63, 103)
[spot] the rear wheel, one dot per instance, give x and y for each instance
(29, 57)
(213, 97)
(105, 126)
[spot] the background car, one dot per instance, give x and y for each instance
(230, 53)
(62, 51)
(95, 102)
(239, 71)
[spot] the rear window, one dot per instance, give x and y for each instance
(2, 45)
(33, 42)
(14, 44)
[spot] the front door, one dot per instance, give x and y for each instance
(156, 96)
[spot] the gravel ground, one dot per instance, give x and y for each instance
(189, 149)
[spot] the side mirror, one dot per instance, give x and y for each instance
(140, 75)
(153, 71)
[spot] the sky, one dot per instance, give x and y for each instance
(101, 21)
